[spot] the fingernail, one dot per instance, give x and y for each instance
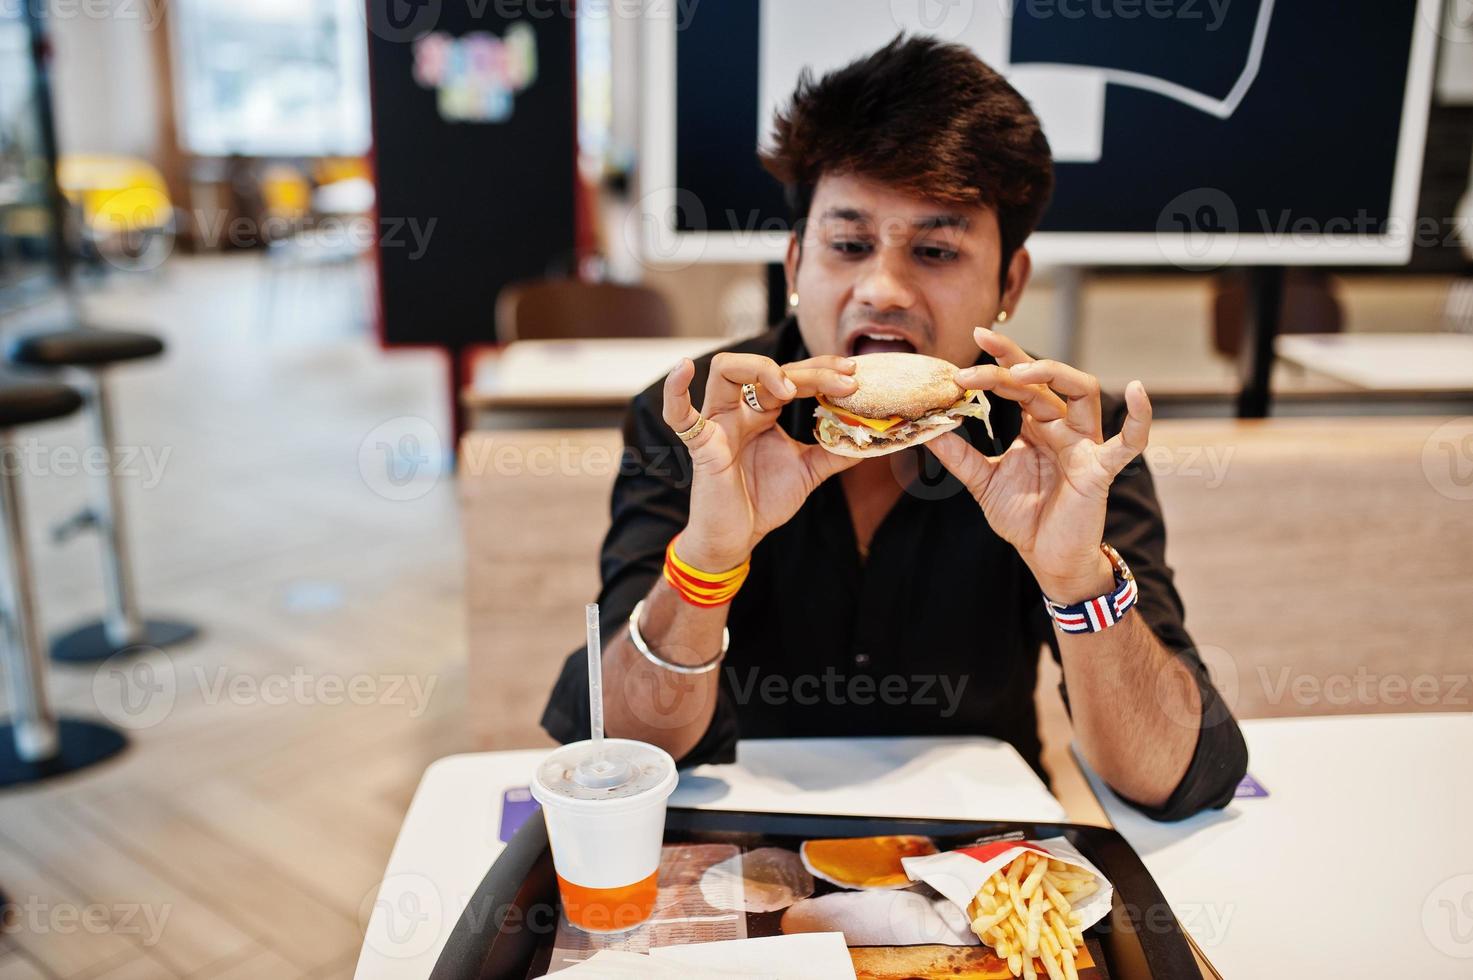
(789, 388)
(847, 364)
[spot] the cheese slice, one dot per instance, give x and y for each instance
(879, 425)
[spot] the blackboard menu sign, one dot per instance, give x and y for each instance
(473, 127)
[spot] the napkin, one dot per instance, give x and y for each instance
(809, 956)
(812, 956)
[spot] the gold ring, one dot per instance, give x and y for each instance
(749, 393)
(694, 430)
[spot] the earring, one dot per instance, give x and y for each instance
(793, 300)
(1002, 316)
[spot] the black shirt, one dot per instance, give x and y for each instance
(936, 632)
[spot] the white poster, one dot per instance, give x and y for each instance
(1068, 98)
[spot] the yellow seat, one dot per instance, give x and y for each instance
(117, 195)
(286, 192)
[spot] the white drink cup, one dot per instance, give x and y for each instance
(606, 825)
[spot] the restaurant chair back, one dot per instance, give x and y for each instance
(564, 309)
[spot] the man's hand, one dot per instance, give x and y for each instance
(1046, 494)
(749, 476)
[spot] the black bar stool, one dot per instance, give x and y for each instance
(33, 744)
(88, 352)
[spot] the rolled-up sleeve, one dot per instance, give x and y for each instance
(1134, 526)
(649, 506)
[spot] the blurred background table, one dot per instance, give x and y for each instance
(1410, 362)
(570, 383)
(1356, 859)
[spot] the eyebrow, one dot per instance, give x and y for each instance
(927, 223)
(940, 221)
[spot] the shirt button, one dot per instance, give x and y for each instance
(861, 659)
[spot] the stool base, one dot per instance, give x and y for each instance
(82, 744)
(89, 644)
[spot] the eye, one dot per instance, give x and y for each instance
(937, 253)
(846, 247)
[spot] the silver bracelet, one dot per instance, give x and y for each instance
(637, 639)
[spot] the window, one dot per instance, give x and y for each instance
(271, 77)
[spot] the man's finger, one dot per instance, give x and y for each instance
(820, 381)
(833, 362)
(1036, 400)
(1002, 347)
(823, 464)
(730, 371)
(1082, 391)
(1134, 435)
(963, 461)
(677, 409)
(982, 377)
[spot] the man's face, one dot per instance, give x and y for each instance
(882, 270)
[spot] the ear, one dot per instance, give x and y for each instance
(1020, 267)
(790, 264)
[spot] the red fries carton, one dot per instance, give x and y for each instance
(960, 874)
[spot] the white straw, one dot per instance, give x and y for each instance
(595, 682)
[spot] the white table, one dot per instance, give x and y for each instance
(450, 834)
(1386, 361)
(577, 372)
(1359, 862)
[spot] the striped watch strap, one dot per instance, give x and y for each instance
(1094, 615)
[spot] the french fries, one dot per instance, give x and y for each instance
(1025, 912)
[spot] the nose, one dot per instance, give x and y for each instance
(884, 281)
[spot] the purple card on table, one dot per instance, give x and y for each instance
(516, 806)
(1249, 788)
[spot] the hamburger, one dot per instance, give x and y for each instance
(901, 400)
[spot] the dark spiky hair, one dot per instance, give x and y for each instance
(923, 117)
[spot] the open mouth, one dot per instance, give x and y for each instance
(876, 341)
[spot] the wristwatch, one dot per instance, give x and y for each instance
(1094, 615)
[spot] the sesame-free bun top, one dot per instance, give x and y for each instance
(897, 383)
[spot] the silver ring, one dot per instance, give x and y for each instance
(749, 392)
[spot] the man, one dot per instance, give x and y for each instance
(871, 599)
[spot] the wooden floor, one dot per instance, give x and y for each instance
(247, 827)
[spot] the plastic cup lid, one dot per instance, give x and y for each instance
(628, 772)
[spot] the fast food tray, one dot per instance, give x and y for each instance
(507, 931)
